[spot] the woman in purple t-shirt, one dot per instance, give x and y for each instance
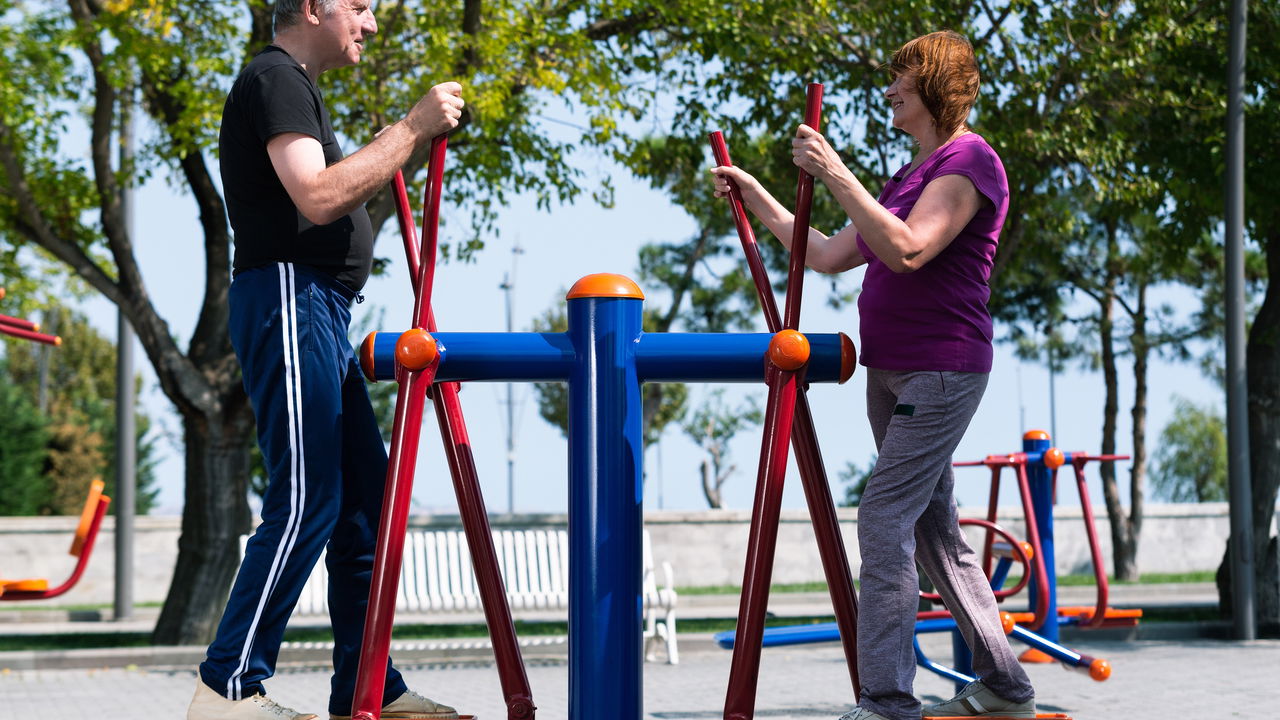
(928, 243)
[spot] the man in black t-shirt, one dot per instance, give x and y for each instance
(303, 248)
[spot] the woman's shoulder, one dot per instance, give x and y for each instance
(972, 156)
(970, 151)
(970, 146)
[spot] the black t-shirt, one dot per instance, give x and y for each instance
(274, 95)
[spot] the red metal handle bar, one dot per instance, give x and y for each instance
(813, 474)
(1033, 536)
(409, 234)
(430, 231)
(750, 248)
(762, 543)
(475, 519)
(18, 332)
(371, 672)
(804, 204)
(19, 323)
(1095, 548)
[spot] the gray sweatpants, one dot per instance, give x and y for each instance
(908, 514)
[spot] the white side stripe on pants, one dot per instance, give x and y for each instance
(297, 467)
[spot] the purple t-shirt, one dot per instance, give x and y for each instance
(936, 317)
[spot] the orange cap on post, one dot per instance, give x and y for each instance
(1036, 435)
(789, 349)
(605, 285)
(1054, 458)
(416, 349)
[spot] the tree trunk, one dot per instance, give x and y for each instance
(711, 487)
(1141, 348)
(1263, 356)
(214, 517)
(1123, 557)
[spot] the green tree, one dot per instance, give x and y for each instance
(1191, 460)
(23, 437)
(82, 61)
(74, 387)
(856, 477)
(713, 426)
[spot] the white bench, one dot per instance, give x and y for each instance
(436, 577)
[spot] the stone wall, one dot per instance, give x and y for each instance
(704, 547)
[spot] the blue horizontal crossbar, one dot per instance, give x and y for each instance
(659, 357)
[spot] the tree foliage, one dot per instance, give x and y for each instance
(72, 389)
(22, 453)
(1107, 115)
(1191, 459)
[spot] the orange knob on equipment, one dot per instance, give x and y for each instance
(1054, 458)
(416, 349)
(1028, 550)
(1099, 669)
(789, 350)
(1006, 622)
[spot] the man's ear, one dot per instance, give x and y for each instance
(311, 11)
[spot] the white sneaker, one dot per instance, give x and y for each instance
(209, 705)
(411, 706)
(861, 713)
(977, 700)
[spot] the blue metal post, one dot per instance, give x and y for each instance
(1040, 480)
(961, 658)
(605, 514)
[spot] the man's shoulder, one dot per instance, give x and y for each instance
(273, 63)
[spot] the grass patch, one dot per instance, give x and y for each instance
(737, 589)
(1143, 579)
(1063, 580)
(74, 641)
(81, 607)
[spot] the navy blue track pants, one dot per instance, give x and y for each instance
(326, 465)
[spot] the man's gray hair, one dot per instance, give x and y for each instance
(289, 12)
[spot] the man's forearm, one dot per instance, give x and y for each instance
(348, 184)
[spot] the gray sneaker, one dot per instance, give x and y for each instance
(209, 705)
(861, 713)
(977, 700)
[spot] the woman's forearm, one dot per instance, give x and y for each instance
(888, 237)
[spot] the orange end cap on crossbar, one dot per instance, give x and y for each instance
(603, 285)
(366, 357)
(848, 358)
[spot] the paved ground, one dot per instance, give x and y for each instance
(1153, 680)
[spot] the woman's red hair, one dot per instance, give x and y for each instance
(946, 76)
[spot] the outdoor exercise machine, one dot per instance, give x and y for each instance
(1036, 473)
(95, 508)
(604, 357)
(1035, 470)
